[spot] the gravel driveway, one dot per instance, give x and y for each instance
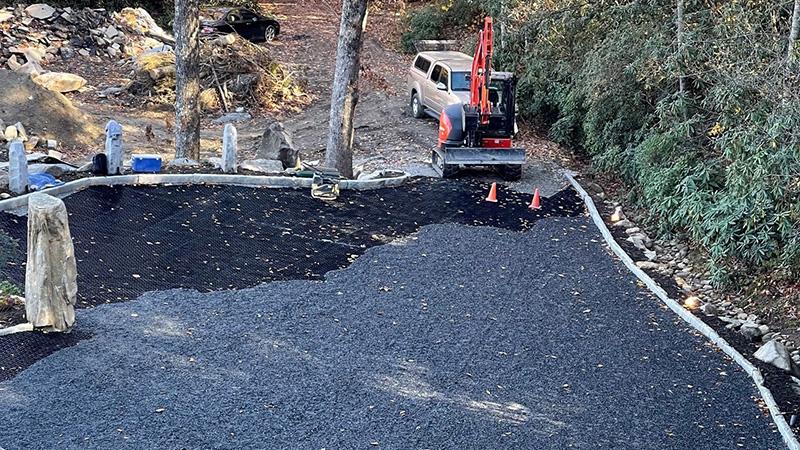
(458, 337)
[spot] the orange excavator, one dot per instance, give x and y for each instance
(481, 132)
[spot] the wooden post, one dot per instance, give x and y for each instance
(339, 150)
(51, 274)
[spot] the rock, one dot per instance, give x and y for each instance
(233, 118)
(113, 149)
(60, 82)
(276, 143)
(709, 309)
(111, 32)
(55, 170)
(633, 230)
(13, 63)
(40, 11)
(262, 165)
(183, 162)
(764, 329)
(51, 274)
(624, 223)
(750, 330)
(17, 168)
(5, 15)
(52, 144)
(647, 265)
(3, 180)
(618, 214)
(775, 353)
(650, 255)
(10, 133)
(229, 150)
(21, 133)
(226, 39)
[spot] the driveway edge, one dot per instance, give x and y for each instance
(189, 179)
(783, 427)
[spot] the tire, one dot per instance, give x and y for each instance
(510, 172)
(417, 110)
(448, 170)
(269, 33)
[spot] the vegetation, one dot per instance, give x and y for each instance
(9, 248)
(698, 112)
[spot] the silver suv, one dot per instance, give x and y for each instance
(438, 79)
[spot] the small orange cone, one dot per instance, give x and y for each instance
(537, 201)
(492, 194)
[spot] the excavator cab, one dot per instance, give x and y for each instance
(481, 132)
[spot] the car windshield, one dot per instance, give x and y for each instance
(460, 81)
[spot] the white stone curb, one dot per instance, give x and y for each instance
(786, 432)
(187, 179)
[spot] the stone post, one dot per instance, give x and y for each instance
(229, 150)
(114, 147)
(51, 274)
(17, 168)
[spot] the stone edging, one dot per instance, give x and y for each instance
(786, 432)
(184, 179)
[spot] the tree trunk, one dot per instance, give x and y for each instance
(187, 79)
(679, 25)
(339, 150)
(794, 34)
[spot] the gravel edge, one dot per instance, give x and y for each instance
(777, 417)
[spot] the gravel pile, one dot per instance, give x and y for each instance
(458, 337)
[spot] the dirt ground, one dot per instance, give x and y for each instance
(386, 135)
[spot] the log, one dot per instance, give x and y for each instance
(51, 274)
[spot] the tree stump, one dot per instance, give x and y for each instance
(114, 147)
(229, 144)
(51, 274)
(17, 168)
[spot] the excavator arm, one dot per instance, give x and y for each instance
(482, 72)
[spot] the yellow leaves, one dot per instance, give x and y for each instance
(716, 130)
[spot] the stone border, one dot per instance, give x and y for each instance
(188, 179)
(783, 427)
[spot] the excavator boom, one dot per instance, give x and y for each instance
(482, 72)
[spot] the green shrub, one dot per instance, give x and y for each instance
(439, 20)
(718, 163)
(425, 23)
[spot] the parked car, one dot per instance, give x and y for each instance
(437, 79)
(247, 23)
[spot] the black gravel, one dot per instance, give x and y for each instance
(131, 240)
(458, 338)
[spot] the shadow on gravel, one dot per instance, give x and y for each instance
(131, 240)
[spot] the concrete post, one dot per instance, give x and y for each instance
(17, 168)
(114, 152)
(229, 148)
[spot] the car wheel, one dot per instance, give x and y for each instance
(417, 110)
(270, 32)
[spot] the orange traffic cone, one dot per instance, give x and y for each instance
(492, 194)
(536, 203)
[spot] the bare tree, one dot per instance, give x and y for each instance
(187, 79)
(679, 24)
(794, 34)
(339, 150)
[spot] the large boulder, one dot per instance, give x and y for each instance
(60, 82)
(775, 353)
(276, 143)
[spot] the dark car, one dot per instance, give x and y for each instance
(247, 23)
